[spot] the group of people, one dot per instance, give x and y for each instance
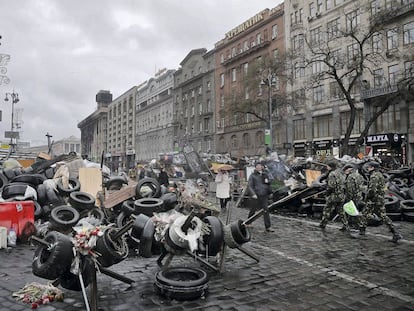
(346, 184)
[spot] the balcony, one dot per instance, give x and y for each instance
(380, 91)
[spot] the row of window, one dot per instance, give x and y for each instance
(323, 126)
(249, 43)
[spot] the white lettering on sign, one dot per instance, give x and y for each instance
(247, 24)
(377, 138)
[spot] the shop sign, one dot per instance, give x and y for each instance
(130, 151)
(322, 144)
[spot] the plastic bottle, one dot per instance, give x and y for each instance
(12, 238)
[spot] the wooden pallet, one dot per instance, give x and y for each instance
(115, 197)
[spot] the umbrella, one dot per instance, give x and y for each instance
(219, 166)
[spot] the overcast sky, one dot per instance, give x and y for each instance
(64, 51)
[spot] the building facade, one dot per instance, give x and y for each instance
(260, 36)
(120, 153)
(194, 102)
(319, 123)
(94, 128)
(154, 116)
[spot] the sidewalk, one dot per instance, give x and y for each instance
(300, 268)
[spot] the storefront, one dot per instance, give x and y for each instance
(322, 148)
(391, 148)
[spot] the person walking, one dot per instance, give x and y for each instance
(223, 182)
(375, 200)
(335, 196)
(163, 178)
(259, 187)
(354, 184)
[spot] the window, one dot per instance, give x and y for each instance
(336, 59)
(393, 74)
(319, 5)
(333, 28)
(318, 94)
(328, 4)
(276, 53)
(245, 68)
(299, 70)
(375, 7)
(208, 107)
(208, 85)
(358, 122)
(258, 38)
(312, 9)
(222, 100)
(315, 36)
(246, 140)
(259, 138)
(192, 93)
(389, 120)
(408, 33)
(245, 45)
(378, 77)
(322, 126)
(377, 43)
(338, 2)
(299, 129)
(233, 141)
(274, 32)
(246, 93)
(317, 66)
(200, 90)
(300, 15)
(409, 69)
(392, 39)
(233, 74)
(353, 52)
(353, 19)
(200, 108)
(222, 80)
(335, 90)
(298, 42)
(389, 4)
(221, 58)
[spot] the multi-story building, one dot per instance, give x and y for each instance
(260, 36)
(94, 128)
(319, 123)
(120, 153)
(154, 116)
(194, 102)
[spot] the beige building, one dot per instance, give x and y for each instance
(154, 126)
(194, 102)
(120, 152)
(318, 124)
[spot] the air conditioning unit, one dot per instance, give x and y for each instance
(310, 18)
(318, 14)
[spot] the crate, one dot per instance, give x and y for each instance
(16, 214)
(3, 237)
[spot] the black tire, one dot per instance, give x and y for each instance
(74, 185)
(152, 184)
(53, 197)
(122, 219)
(31, 179)
(139, 225)
(111, 252)
(3, 181)
(215, 239)
(317, 207)
(50, 172)
(399, 182)
(71, 281)
(182, 283)
(170, 201)
(394, 216)
(9, 173)
(148, 206)
(38, 210)
(64, 217)
(115, 183)
(13, 190)
(81, 200)
(240, 232)
(407, 206)
(128, 207)
(50, 263)
(408, 217)
(146, 240)
(392, 203)
(96, 213)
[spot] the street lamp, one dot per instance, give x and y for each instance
(270, 81)
(14, 100)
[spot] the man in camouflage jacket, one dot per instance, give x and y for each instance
(375, 200)
(335, 198)
(354, 184)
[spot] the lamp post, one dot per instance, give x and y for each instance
(14, 100)
(270, 81)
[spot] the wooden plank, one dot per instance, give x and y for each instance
(115, 197)
(90, 179)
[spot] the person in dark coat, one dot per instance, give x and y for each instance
(163, 177)
(259, 187)
(375, 200)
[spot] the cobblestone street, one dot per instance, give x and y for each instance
(300, 268)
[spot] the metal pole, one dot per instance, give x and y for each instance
(269, 80)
